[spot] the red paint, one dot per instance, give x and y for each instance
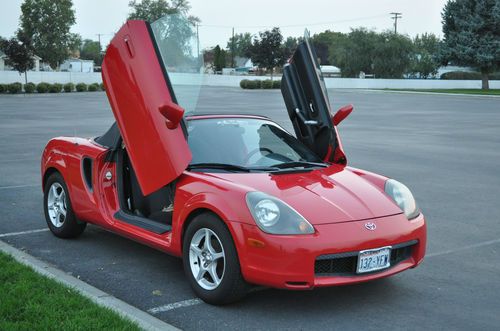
(337, 200)
(143, 107)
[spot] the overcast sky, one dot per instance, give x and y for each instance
(218, 16)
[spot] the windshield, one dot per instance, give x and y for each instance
(244, 142)
(178, 44)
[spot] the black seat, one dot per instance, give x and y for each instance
(156, 206)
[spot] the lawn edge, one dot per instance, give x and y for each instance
(433, 93)
(103, 299)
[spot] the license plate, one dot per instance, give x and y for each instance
(374, 259)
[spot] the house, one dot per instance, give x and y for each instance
(4, 58)
(330, 71)
(243, 65)
(77, 65)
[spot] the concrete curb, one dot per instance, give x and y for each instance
(143, 319)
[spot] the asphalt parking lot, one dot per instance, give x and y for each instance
(445, 148)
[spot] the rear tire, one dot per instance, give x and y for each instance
(59, 214)
(213, 271)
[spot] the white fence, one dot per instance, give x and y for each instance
(234, 81)
(51, 77)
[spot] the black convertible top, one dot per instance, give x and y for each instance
(110, 138)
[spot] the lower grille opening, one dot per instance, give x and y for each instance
(344, 264)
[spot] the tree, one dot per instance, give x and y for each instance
(74, 44)
(152, 10)
(425, 60)
(240, 44)
(91, 50)
(327, 43)
(19, 52)
(472, 35)
(290, 45)
(356, 52)
(267, 51)
(220, 56)
(392, 55)
(48, 22)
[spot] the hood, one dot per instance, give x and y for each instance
(331, 195)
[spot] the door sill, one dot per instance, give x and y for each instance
(143, 223)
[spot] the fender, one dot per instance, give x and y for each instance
(231, 209)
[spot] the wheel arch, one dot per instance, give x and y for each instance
(48, 172)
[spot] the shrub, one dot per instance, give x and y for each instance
(29, 88)
(55, 88)
(102, 87)
(42, 87)
(253, 84)
(69, 87)
(3, 88)
(267, 84)
(94, 87)
(81, 87)
(461, 75)
(277, 84)
(244, 83)
(15, 88)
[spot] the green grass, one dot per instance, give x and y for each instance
(454, 91)
(29, 301)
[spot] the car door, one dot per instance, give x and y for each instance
(306, 99)
(145, 107)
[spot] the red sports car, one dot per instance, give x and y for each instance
(241, 200)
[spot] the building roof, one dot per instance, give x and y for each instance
(78, 60)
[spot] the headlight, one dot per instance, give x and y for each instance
(276, 217)
(403, 198)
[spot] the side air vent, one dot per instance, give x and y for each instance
(87, 172)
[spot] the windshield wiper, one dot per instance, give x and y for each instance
(299, 164)
(221, 166)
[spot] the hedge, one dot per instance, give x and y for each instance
(69, 87)
(29, 87)
(15, 88)
(55, 88)
(42, 87)
(260, 84)
(81, 87)
(94, 87)
(468, 75)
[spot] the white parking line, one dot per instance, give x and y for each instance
(22, 232)
(194, 302)
(175, 305)
(463, 248)
(18, 186)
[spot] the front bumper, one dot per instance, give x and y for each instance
(290, 261)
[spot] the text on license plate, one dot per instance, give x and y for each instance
(374, 259)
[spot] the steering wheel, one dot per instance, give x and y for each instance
(255, 151)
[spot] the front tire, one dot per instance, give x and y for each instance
(211, 262)
(59, 214)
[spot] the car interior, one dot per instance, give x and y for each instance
(137, 208)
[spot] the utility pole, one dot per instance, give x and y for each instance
(395, 17)
(232, 50)
(100, 49)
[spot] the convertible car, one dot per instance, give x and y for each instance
(237, 197)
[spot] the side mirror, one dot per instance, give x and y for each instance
(172, 113)
(341, 114)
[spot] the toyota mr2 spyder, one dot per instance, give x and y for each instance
(242, 201)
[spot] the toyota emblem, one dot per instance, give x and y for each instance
(370, 226)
